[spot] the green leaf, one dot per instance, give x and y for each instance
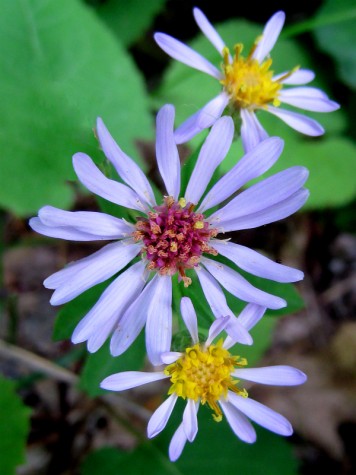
(128, 20)
(101, 364)
(61, 68)
(338, 39)
(14, 427)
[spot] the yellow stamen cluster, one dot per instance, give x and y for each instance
(248, 82)
(204, 374)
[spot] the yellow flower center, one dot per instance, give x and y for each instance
(204, 374)
(249, 83)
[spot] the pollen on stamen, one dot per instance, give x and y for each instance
(174, 237)
(249, 83)
(205, 374)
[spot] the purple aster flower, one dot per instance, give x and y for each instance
(248, 85)
(207, 373)
(175, 236)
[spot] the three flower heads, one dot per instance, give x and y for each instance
(182, 234)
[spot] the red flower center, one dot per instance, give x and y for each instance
(174, 237)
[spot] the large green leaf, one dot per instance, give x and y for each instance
(61, 68)
(338, 39)
(128, 20)
(14, 427)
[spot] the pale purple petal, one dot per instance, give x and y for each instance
(262, 195)
(130, 379)
(61, 232)
(96, 182)
(102, 265)
(90, 222)
(273, 375)
(308, 98)
(211, 112)
(238, 422)
(190, 420)
(127, 169)
(159, 320)
(251, 165)
(251, 315)
(298, 77)
(269, 36)
(261, 414)
(217, 302)
(133, 320)
(177, 444)
(216, 328)
(202, 119)
(299, 122)
(166, 151)
(183, 53)
(255, 263)
(210, 156)
(190, 318)
(240, 287)
(208, 30)
(252, 132)
(274, 213)
(160, 417)
(248, 318)
(101, 319)
(169, 357)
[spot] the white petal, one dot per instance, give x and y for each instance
(169, 357)
(239, 423)
(251, 165)
(300, 76)
(261, 414)
(216, 328)
(255, 263)
(91, 222)
(274, 213)
(262, 195)
(208, 30)
(186, 55)
(177, 444)
(299, 122)
(299, 97)
(240, 287)
(129, 171)
(111, 304)
(159, 320)
(202, 119)
(190, 420)
(269, 36)
(92, 178)
(190, 318)
(252, 132)
(102, 265)
(61, 232)
(273, 375)
(160, 417)
(251, 315)
(130, 379)
(210, 156)
(166, 151)
(133, 320)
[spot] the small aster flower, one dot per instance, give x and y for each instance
(208, 374)
(175, 236)
(249, 85)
